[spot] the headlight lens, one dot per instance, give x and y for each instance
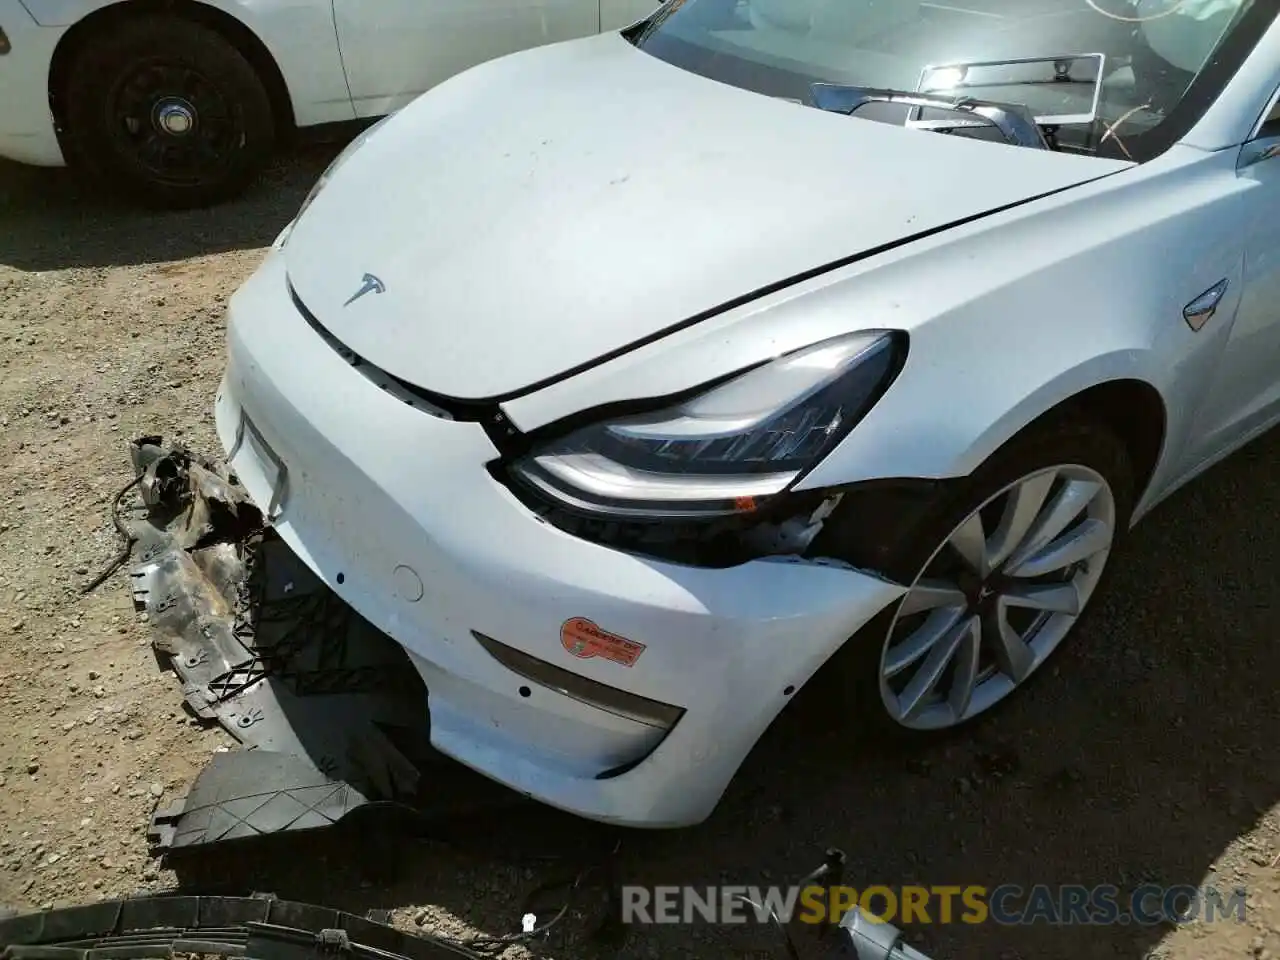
(361, 139)
(727, 450)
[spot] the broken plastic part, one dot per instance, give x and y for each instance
(254, 928)
(330, 711)
(866, 938)
(793, 535)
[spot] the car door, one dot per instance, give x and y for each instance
(1244, 396)
(393, 50)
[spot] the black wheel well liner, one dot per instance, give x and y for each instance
(234, 31)
(877, 514)
(1135, 411)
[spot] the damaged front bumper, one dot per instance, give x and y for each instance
(328, 709)
(611, 685)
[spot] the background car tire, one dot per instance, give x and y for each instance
(847, 690)
(168, 112)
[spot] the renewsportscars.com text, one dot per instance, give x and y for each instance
(1008, 904)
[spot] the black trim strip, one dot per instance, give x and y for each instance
(467, 411)
(775, 287)
(482, 410)
(630, 706)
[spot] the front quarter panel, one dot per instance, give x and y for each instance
(1088, 289)
(1008, 317)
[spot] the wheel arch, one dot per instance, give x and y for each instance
(234, 30)
(876, 513)
(1132, 409)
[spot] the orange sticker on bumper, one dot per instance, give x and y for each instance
(584, 640)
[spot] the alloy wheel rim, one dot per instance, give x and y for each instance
(997, 597)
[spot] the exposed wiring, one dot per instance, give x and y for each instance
(573, 886)
(787, 942)
(1176, 7)
(1111, 134)
(127, 538)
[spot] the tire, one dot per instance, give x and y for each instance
(126, 83)
(850, 687)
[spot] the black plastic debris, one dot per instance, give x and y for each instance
(255, 928)
(329, 711)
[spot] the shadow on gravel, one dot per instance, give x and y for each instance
(1145, 751)
(50, 220)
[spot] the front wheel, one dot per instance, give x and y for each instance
(999, 574)
(169, 112)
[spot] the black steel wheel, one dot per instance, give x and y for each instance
(169, 112)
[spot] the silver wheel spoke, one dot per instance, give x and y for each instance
(1021, 511)
(997, 596)
(935, 665)
(1080, 543)
(1070, 502)
(970, 542)
(929, 595)
(1012, 654)
(929, 634)
(967, 658)
(1053, 597)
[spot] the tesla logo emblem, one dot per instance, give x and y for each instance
(370, 284)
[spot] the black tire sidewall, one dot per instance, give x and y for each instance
(847, 689)
(96, 71)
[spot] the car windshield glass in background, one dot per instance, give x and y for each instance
(1162, 62)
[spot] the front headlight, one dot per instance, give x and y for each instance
(728, 450)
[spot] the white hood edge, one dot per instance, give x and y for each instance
(550, 208)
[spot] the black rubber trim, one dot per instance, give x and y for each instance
(620, 703)
(470, 411)
(482, 409)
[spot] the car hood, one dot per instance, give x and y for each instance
(550, 208)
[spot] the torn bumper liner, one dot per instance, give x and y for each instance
(330, 712)
(264, 928)
(255, 928)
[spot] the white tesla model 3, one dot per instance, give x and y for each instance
(633, 383)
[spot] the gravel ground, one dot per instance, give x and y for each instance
(1149, 753)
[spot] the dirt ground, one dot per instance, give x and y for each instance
(1150, 753)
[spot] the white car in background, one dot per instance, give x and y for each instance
(637, 383)
(180, 103)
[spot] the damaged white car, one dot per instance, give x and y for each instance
(631, 383)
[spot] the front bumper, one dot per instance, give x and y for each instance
(27, 132)
(392, 507)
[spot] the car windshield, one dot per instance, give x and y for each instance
(1115, 78)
